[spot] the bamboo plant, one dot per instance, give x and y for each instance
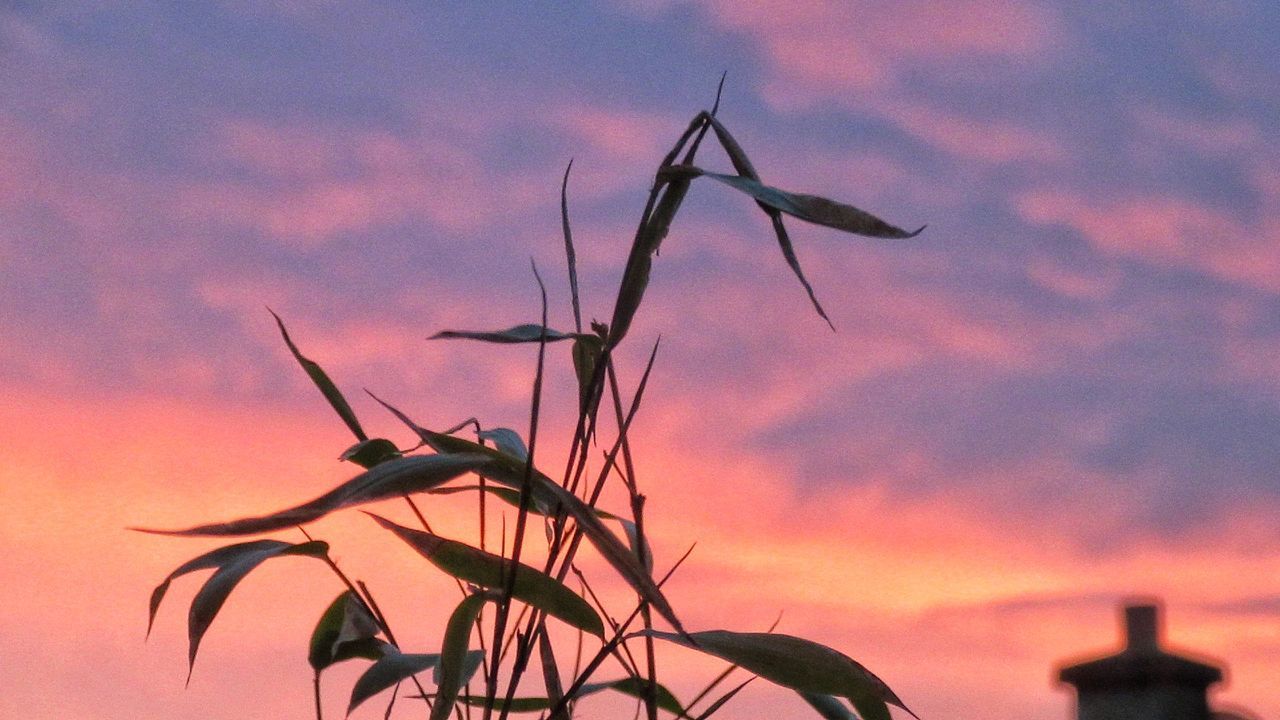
(500, 625)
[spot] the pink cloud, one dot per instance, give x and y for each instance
(1166, 231)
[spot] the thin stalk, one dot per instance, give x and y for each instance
(315, 685)
(504, 607)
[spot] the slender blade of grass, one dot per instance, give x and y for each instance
(322, 381)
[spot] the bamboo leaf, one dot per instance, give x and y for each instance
(232, 563)
(390, 479)
(322, 381)
(390, 669)
(368, 453)
(453, 654)
(345, 630)
(506, 440)
(810, 208)
(795, 663)
(528, 333)
(571, 258)
(488, 570)
(635, 687)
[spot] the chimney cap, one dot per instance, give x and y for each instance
(1142, 660)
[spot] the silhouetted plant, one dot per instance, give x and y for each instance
(353, 625)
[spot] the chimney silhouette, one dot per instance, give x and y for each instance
(1142, 681)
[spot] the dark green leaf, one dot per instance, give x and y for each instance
(390, 669)
(390, 479)
(322, 381)
(453, 654)
(488, 570)
(368, 453)
(795, 663)
(233, 563)
(528, 333)
(341, 630)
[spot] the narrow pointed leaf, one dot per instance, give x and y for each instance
(453, 654)
(528, 333)
(390, 479)
(506, 440)
(551, 675)
(212, 559)
(810, 208)
(234, 566)
(487, 570)
(322, 381)
(368, 453)
(345, 628)
(635, 687)
(795, 663)
(571, 258)
(387, 671)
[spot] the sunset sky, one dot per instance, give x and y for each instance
(1063, 394)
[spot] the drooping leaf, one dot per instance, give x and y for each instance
(628, 686)
(476, 566)
(232, 563)
(345, 630)
(322, 381)
(506, 440)
(745, 169)
(828, 707)
(368, 453)
(390, 479)
(212, 559)
(389, 669)
(795, 663)
(528, 333)
(453, 654)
